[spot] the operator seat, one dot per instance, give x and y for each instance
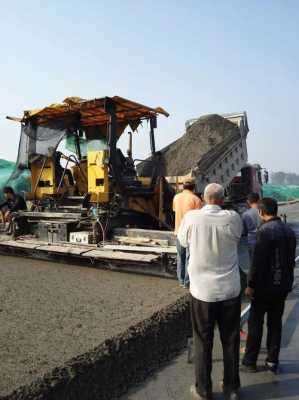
(59, 169)
(128, 176)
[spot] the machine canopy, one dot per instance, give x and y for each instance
(43, 129)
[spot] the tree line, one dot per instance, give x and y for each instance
(284, 178)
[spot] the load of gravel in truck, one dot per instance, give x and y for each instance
(203, 142)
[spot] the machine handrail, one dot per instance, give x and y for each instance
(64, 170)
(39, 176)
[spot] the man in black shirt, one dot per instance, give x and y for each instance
(270, 279)
(13, 203)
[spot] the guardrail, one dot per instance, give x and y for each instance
(284, 203)
(245, 312)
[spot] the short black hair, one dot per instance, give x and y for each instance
(199, 195)
(268, 206)
(253, 198)
(8, 189)
(189, 185)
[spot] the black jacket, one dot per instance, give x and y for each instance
(272, 269)
(15, 204)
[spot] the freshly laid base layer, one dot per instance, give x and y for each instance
(51, 313)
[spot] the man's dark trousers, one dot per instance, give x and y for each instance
(274, 307)
(204, 315)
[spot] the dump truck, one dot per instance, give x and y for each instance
(213, 149)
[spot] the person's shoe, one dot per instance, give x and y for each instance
(196, 396)
(181, 284)
(186, 286)
(271, 367)
(232, 395)
(251, 368)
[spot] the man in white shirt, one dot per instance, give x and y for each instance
(212, 235)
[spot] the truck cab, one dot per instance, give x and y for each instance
(247, 181)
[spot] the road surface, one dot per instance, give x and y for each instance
(173, 381)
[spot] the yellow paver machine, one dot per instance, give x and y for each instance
(81, 182)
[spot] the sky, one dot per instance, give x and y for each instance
(190, 57)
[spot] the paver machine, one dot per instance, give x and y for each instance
(94, 187)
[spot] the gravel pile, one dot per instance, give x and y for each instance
(204, 140)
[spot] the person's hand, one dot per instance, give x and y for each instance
(249, 292)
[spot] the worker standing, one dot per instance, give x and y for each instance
(251, 222)
(212, 235)
(182, 203)
(270, 279)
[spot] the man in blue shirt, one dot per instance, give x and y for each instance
(251, 222)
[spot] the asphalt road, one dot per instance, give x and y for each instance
(174, 380)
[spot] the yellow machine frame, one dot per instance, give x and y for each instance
(42, 179)
(108, 117)
(97, 172)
